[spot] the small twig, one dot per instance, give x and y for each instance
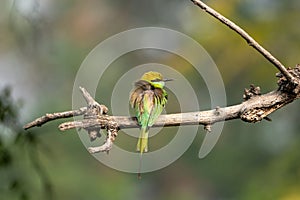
(53, 116)
(94, 107)
(112, 132)
(248, 38)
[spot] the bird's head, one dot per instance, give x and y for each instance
(155, 79)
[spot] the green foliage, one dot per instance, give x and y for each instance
(18, 147)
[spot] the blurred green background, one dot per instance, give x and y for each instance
(44, 42)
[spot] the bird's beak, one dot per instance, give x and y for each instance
(168, 79)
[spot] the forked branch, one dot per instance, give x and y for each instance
(254, 108)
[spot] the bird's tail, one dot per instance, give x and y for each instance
(142, 145)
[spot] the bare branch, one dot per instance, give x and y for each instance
(53, 116)
(248, 38)
(254, 108)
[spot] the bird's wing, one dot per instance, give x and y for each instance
(159, 102)
(145, 108)
(155, 112)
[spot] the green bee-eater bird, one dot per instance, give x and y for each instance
(148, 98)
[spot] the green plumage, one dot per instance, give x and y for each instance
(148, 98)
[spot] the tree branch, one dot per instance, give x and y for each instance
(254, 108)
(248, 38)
(53, 116)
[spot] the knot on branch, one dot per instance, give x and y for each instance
(94, 134)
(286, 85)
(217, 111)
(252, 91)
(260, 112)
(253, 115)
(207, 128)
